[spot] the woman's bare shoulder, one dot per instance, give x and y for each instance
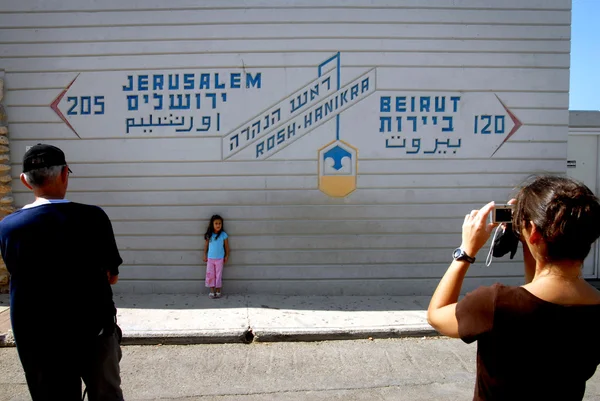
(592, 294)
(580, 293)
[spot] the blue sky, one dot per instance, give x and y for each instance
(585, 55)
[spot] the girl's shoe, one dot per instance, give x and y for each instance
(218, 294)
(211, 295)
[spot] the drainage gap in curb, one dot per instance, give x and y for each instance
(248, 336)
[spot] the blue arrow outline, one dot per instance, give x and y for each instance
(337, 117)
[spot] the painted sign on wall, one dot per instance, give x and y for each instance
(155, 103)
(256, 116)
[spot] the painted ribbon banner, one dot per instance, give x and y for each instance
(278, 114)
(312, 117)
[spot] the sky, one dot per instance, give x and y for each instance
(585, 55)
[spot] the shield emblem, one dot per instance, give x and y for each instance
(338, 165)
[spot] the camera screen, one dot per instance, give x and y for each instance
(503, 215)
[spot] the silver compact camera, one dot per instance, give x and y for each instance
(502, 214)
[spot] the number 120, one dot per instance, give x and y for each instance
(486, 122)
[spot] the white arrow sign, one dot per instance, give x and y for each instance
(153, 103)
(445, 124)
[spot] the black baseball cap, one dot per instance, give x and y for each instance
(41, 155)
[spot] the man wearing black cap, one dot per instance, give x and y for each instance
(62, 257)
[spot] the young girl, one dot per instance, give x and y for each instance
(216, 253)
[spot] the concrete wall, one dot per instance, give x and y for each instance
(362, 196)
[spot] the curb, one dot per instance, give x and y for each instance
(308, 335)
(185, 337)
(6, 337)
(261, 336)
(7, 340)
(275, 335)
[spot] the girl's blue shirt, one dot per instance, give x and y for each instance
(216, 246)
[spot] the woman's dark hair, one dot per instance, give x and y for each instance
(210, 230)
(566, 213)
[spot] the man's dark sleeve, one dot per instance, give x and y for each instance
(109, 251)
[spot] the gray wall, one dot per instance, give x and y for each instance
(394, 233)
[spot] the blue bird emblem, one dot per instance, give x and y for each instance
(337, 154)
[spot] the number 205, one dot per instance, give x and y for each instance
(85, 105)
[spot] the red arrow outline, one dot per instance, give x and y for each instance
(54, 106)
(516, 121)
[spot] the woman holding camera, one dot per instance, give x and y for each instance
(538, 341)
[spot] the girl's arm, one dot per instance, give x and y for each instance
(441, 313)
(226, 243)
(206, 251)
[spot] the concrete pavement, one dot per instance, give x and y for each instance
(197, 319)
(407, 369)
(399, 369)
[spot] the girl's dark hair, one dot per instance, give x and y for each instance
(210, 231)
(566, 213)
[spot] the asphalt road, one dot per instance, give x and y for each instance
(403, 369)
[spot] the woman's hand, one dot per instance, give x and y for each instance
(476, 230)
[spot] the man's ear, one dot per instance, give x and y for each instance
(24, 181)
(64, 174)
